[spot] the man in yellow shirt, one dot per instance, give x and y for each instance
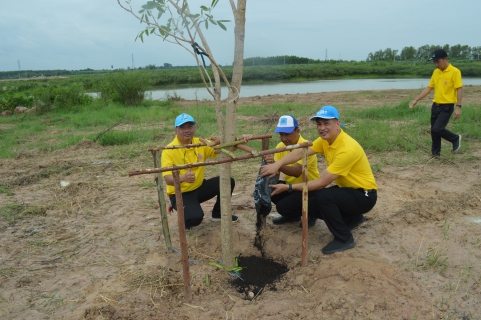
(289, 204)
(448, 92)
(340, 206)
(195, 189)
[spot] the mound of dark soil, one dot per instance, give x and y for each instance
(258, 274)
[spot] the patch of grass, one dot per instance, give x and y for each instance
(16, 211)
(6, 190)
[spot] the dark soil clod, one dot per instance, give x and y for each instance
(258, 274)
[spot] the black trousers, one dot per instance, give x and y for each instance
(193, 213)
(440, 115)
(342, 207)
(289, 204)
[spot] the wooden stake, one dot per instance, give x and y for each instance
(305, 224)
(182, 237)
(162, 203)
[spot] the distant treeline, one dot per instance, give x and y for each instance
(457, 52)
(260, 73)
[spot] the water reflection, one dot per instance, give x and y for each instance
(305, 87)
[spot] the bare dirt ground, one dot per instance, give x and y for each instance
(94, 249)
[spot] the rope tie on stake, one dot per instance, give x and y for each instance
(199, 52)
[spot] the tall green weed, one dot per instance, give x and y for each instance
(124, 87)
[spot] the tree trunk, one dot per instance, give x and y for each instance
(228, 256)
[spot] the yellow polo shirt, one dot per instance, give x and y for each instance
(346, 158)
(445, 84)
(312, 170)
(172, 157)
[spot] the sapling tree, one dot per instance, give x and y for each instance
(174, 21)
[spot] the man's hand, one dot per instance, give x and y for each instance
(246, 137)
(457, 112)
(269, 158)
(412, 104)
(278, 188)
(270, 169)
(188, 177)
(214, 141)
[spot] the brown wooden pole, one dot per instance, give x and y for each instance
(305, 224)
(182, 237)
(162, 203)
(213, 144)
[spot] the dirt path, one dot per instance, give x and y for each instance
(94, 248)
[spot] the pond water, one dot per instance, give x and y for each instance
(305, 87)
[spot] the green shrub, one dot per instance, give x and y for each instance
(60, 97)
(9, 101)
(125, 87)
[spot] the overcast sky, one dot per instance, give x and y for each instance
(80, 34)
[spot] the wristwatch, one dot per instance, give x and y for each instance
(290, 188)
(458, 105)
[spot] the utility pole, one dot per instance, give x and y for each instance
(19, 69)
(133, 63)
(326, 55)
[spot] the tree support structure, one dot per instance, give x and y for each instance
(232, 158)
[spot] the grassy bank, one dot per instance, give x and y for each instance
(396, 133)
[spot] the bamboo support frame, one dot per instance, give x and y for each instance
(182, 237)
(224, 160)
(178, 193)
(162, 202)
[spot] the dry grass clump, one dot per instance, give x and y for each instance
(160, 282)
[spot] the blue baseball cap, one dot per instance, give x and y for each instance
(286, 124)
(327, 112)
(183, 118)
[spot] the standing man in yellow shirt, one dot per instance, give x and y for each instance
(289, 204)
(195, 189)
(355, 191)
(448, 93)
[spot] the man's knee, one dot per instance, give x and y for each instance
(436, 130)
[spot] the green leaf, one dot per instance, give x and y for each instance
(183, 8)
(221, 25)
(214, 3)
(204, 8)
(206, 24)
(213, 22)
(149, 5)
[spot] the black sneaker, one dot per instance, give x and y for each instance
(311, 222)
(457, 144)
(217, 219)
(283, 220)
(352, 226)
(338, 246)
